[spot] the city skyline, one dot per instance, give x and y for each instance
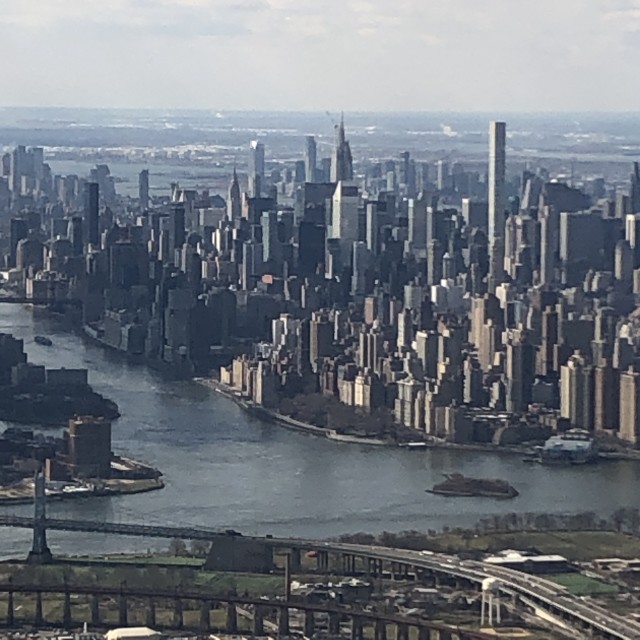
(341, 55)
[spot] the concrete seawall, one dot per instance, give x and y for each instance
(285, 421)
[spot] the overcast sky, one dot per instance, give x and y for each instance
(466, 55)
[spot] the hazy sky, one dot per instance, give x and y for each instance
(322, 54)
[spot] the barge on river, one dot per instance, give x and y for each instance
(459, 486)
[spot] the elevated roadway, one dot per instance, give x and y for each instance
(584, 617)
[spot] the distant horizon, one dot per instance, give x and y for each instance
(323, 111)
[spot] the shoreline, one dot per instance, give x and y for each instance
(330, 434)
(21, 493)
(280, 419)
(291, 424)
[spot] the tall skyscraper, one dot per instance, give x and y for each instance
(417, 209)
(252, 253)
(91, 212)
(272, 249)
(344, 225)
(256, 168)
(76, 235)
(520, 369)
(19, 231)
(321, 339)
(310, 159)
(373, 228)
(341, 160)
(17, 168)
(360, 264)
(442, 175)
(143, 189)
(634, 195)
(497, 174)
(234, 201)
(177, 228)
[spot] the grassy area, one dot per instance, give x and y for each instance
(164, 577)
(150, 559)
(581, 585)
(578, 546)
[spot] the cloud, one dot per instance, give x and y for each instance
(317, 54)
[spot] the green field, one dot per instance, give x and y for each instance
(581, 585)
(163, 577)
(577, 546)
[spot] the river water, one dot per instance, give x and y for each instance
(224, 469)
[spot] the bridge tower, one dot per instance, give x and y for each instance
(40, 553)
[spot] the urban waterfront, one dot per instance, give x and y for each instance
(224, 469)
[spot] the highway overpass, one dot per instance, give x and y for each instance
(584, 617)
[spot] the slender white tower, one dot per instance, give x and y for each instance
(497, 171)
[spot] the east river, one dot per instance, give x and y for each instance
(224, 469)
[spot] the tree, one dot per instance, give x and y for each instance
(200, 548)
(177, 547)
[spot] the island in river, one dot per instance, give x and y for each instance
(459, 486)
(69, 475)
(53, 405)
(32, 394)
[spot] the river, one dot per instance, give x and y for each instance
(224, 469)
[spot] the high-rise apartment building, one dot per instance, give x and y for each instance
(630, 406)
(91, 212)
(634, 194)
(497, 178)
(143, 189)
(576, 392)
(256, 168)
(310, 159)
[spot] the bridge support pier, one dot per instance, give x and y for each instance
(402, 632)
(374, 567)
(205, 615)
(380, 630)
(67, 622)
(151, 613)
(309, 624)
(424, 633)
(38, 618)
(334, 624)
(348, 564)
(122, 611)
(178, 619)
(283, 622)
(10, 610)
(258, 622)
(295, 559)
(397, 571)
(95, 611)
(232, 619)
(356, 628)
(322, 561)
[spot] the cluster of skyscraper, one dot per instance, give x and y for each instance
(459, 304)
